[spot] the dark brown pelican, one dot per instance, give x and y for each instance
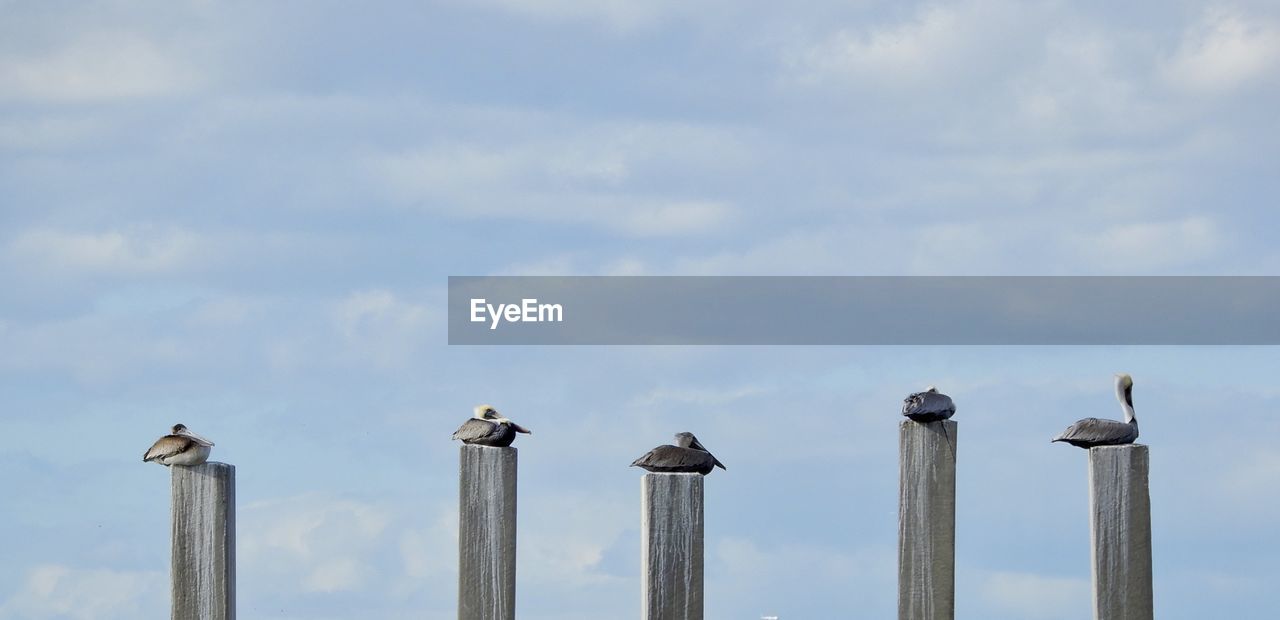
(1091, 432)
(928, 406)
(687, 456)
(487, 427)
(180, 447)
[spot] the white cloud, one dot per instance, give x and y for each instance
(746, 560)
(140, 250)
(571, 265)
(1032, 596)
(1226, 49)
(48, 131)
(564, 534)
(223, 311)
(558, 265)
(1143, 246)
(381, 327)
(908, 51)
(1087, 82)
(425, 552)
(94, 67)
(1240, 481)
(939, 43)
(599, 176)
(94, 349)
(312, 542)
(59, 591)
(773, 574)
(618, 15)
(676, 218)
(699, 396)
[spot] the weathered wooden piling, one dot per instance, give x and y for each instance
(1120, 525)
(927, 520)
(487, 534)
(203, 568)
(671, 546)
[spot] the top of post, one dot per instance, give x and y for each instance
(1127, 446)
(480, 449)
(206, 466)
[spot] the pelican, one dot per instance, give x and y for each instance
(928, 406)
(687, 456)
(487, 427)
(180, 447)
(1091, 432)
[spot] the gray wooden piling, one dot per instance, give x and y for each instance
(671, 546)
(927, 520)
(1120, 525)
(203, 568)
(487, 534)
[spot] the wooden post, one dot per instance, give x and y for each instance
(487, 534)
(927, 520)
(671, 546)
(203, 569)
(1120, 525)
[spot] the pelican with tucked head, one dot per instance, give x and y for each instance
(487, 427)
(179, 447)
(1091, 432)
(928, 406)
(687, 456)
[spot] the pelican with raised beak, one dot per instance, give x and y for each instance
(687, 456)
(487, 427)
(179, 447)
(1091, 432)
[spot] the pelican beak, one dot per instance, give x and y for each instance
(697, 445)
(198, 439)
(719, 464)
(520, 429)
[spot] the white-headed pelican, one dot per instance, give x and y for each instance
(487, 427)
(1091, 432)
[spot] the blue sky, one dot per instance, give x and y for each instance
(241, 216)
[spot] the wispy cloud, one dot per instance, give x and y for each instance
(97, 67)
(617, 15)
(60, 591)
(600, 176)
(1030, 595)
(317, 544)
(1146, 246)
(938, 44)
(1226, 49)
(128, 251)
(381, 327)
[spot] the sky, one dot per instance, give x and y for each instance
(241, 216)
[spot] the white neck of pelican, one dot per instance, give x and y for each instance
(1124, 394)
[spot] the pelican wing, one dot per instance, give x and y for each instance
(1097, 431)
(928, 404)
(474, 429)
(168, 446)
